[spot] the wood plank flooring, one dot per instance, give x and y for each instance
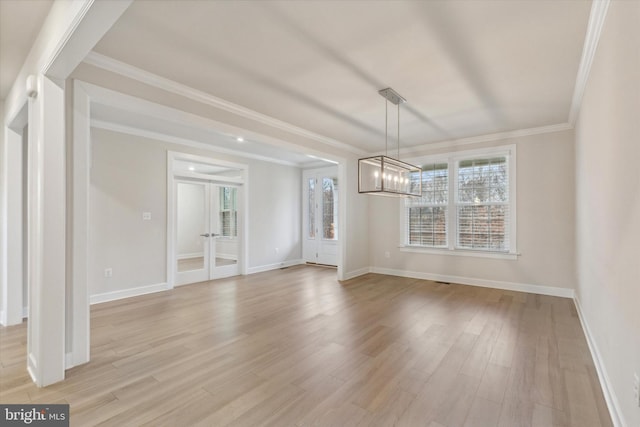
(294, 347)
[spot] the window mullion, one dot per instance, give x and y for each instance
(452, 209)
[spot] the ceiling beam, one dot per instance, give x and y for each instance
(594, 29)
(70, 31)
(159, 82)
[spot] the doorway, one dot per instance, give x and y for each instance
(206, 231)
(320, 213)
(207, 207)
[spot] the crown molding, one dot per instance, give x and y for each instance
(48, 62)
(415, 150)
(594, 29)
(109, 64)
(129, 130)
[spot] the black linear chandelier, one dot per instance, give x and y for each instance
(384, 175)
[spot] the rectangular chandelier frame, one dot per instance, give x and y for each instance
(386, 176)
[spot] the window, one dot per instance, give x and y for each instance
(483, 204)
(467, 204)
(228, 212)
(311, 231)
(427, 215)
(330, 208)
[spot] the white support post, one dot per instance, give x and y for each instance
(47, 239)
(71, 30)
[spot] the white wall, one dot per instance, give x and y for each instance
(128, 176)
(275, 221)
(608, 203)
(356, 260)
(545, 222)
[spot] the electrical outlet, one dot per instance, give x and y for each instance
(636, 388)
(387, 254)
(146, 216)
(276, 250)
(108, 272)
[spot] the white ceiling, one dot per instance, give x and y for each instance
(20, 22)
(466, 68)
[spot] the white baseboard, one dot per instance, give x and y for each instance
(609, 394)
(4, 316)
(356, 273)
(269, 267)
(25, 312)
(509, 286)
(127, 293)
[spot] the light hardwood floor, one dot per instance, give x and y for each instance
(295, 347)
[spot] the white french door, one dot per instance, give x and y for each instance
(320, 213)
(206, 224)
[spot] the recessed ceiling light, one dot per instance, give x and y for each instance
(192, 168)
(240, 139)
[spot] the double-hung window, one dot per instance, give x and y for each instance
(467, 204)
(482, 204)
(427, 216)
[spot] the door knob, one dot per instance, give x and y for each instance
(205, 235)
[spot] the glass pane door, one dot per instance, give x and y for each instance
(192, 229)
(330, 208)
(224, 231)
(320, 215)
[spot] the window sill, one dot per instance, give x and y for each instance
(460, 252)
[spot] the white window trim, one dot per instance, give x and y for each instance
(452, 160)
(458, 252)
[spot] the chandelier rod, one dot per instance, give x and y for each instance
(398, 158)
(386, 128)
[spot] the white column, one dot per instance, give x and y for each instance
(46, 230)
